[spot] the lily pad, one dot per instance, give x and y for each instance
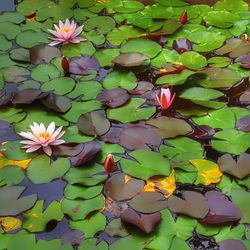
(143, 166)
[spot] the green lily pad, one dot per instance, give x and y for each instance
(144, 46)
(221, 19)
(123, 79)
(5, 44)
(131, 112)
(79, 209)
(193, 60)
(101, 24)
(45, 72)
(79, 108)
(11, 175)
(12, 115)
(83, 48)
(35, 220)
(59, 86)
(13, 17)
(129, 7)
(168, 127)
(124, 32)
(98, 222)
(90, 175)
(231, 141)
(51, 171)
(30, 38)
(143, 166)
(175, 79)
(9, 30)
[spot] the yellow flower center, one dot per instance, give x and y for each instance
(66, 30)
(44, 135)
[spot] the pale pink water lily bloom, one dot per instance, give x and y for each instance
(66, 33)
(42, 137)
(166, 99)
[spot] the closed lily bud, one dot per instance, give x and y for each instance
(184, 17)
(109, 164)
(65, 65)
(165, 100)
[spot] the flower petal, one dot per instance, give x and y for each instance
(47, 150)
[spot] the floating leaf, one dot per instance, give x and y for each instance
(208, 171)
(11, 175)
(139, 136)
(130, 59)
(123, 79)
(188, 205)
(131, 112)
(165, 185)
(51, 171)
(11, 204)
(79, 209)
(168, 127)
(93, 124)
(221, 210)
(113, 98)
(35, 220)
(148, 202)
(10, 223)
(144, 167)
(118, 188)
(240, 168)
(193, 60)
(146, 222)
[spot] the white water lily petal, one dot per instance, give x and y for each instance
(47, 150)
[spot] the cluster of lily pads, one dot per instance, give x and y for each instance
(136, 123)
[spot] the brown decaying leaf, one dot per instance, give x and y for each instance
(10, 223)
(221, 209)
(145, 222)
(240, 168)
(193, 204)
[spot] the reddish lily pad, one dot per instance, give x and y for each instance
(146, 222)
(188, 205)
(139, 136)
(221, 209)
(118, 188)
(148, 202)
(113, 98)
(240, 168)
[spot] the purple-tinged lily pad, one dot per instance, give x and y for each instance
(231, 245)
(113, 98)
(146, 222)
(26, 96)
(240, 168)
(221, 209)
(182, 45)
(243, 124)
(118, 189)
(193, 204)
(88, 153)
(83, 65)
(139, 136)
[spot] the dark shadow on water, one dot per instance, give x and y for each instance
(7, 5)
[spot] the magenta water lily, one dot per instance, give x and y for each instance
(42, 137)
(65, 33)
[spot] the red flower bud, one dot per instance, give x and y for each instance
(65, 65)
(184, 17)
(109, 164)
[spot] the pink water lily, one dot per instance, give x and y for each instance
(42, 137)
(66, 33)
(166, 99)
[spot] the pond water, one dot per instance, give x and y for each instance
(127, 127)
